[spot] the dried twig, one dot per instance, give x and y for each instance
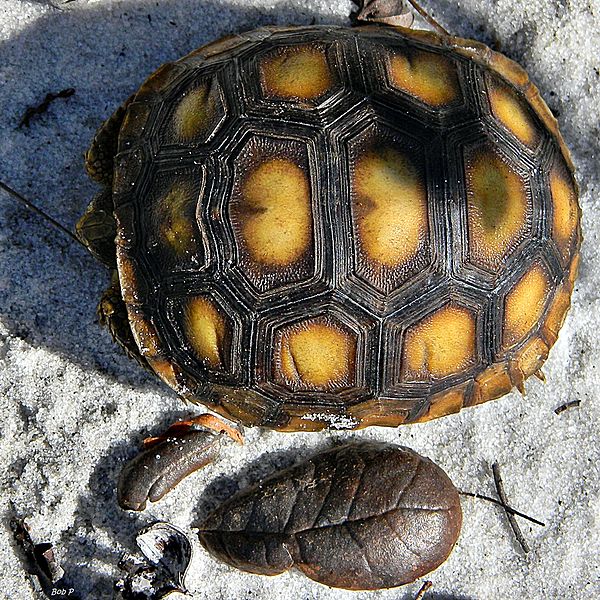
(421, 593)
(510, 509)
(511, 518)
(428, 18)
(43, 107)
(566, 406)
(31, 206)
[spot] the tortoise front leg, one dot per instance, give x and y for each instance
(97, 228)
(99, 158)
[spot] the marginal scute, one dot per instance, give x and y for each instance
(316, 354)
(524, 305)
(207, 331)
(508, 69)
(298, 72)
(167, 371)
(492, 383)
(160, 80)
(428, 76)
(439, 345)
(197, 114)
(445, 403)
(531, 357)
(389, 207)
(134, 123)
(241, 404)
(224, 44)
(299, 422)
(557, 311)
(133, 288)
(513, 113)
(144, 332)
(379, 412)
(565, 210)
(498, 207)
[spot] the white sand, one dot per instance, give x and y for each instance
(73, 407)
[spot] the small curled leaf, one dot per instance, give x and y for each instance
(360, 516)
(185, 447)
(385, 12)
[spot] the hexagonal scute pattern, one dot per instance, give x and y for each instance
(174, 238)
(524, 305)
(208, 331)
(340, 227)
(513, 113)
(499, 207)
(196, 113)
(565, 211)
(440, 345)
(315, 354)
(270, 210)
(429, 77)
(388, 191)
(299, 73)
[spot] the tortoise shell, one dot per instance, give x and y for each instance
(328, 226)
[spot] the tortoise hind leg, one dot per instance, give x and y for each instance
(112, 314)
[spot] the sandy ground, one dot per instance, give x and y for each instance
(74, 407)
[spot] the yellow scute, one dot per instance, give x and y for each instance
(176, 212)
(196, 114)
(524, 305)
(390, 206)
(316, 355)
(428, 76)
(206, 331)
(274, 213)
(498, 207)
(565, 211)
(513, 114)
(299, 72)
(440, 345)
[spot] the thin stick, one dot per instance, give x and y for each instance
(567, 406)
(511, 518)
(428, 18)
(510, 509)
(421, 593)
(32, 207)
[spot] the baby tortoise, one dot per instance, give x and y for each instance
(329, 226)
